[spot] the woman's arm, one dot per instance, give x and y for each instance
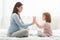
(18, 22)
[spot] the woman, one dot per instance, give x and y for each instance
(17, 27)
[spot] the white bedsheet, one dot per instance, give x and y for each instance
(56, 36)
(30, 38)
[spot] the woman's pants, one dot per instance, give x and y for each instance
(20, 33)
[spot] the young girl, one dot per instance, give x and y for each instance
(46, 26)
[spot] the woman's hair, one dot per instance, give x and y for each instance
(18, 4)
(47, 17)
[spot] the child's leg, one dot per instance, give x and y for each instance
(40, 34)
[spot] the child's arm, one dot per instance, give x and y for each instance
(38, 25)
(35, 22)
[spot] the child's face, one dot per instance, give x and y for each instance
(43, 17)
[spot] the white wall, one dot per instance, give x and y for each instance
(32, 8)
(1, 10)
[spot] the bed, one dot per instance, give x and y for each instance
(56, 36)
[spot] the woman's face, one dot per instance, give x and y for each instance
(20, 9)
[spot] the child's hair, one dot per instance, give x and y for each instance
(47, 17)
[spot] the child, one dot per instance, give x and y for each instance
(46, 26)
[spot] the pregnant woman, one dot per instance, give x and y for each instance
(17, 27)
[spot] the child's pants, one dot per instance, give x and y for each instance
(40, 34)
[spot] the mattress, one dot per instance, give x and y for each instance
(56, 36)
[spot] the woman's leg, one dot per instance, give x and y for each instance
(9, 34)
(20, 33)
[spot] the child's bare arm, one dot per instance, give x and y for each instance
(38, 25)
(35, 22)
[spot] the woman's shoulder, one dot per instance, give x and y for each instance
(14, 14)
